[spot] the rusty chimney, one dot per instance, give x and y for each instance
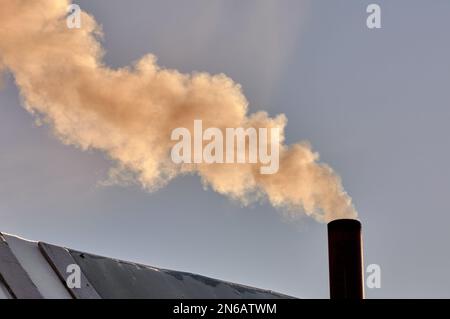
(345, 259)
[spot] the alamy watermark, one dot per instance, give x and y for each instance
(373, 279)
(228, 147)
(73, 280)
(374, 19)
(73, 20)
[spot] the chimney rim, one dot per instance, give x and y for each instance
(345, 222)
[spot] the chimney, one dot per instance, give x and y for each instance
(345, 259)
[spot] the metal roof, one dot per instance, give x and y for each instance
(30, 269)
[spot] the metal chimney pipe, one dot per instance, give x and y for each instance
(345, 259)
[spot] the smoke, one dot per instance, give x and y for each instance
(129, 113)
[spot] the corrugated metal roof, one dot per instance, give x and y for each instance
(39, 270)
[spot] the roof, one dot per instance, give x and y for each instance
(35, 270)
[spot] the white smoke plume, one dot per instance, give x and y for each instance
(129, 113)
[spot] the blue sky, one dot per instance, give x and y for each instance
(373, 103)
